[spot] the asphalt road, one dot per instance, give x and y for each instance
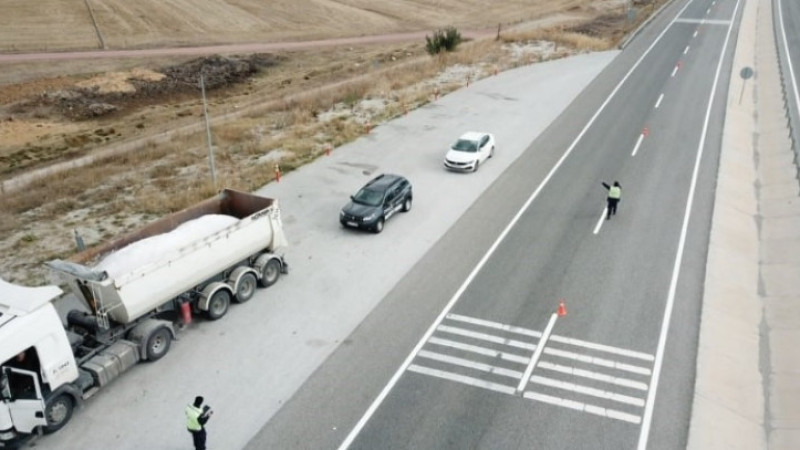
(444, 361)
(787, 20)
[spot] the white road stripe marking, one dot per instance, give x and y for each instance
(586, 390)
(480, 350)
(705, 21)
(644, 432)
(597, 361)
(600, 221)
(788, 57)
(515, 374)
(495, 325)
(658, 103)
(674, 71)
(601, 347)
(695, 33)
(462, 379)
(686, 50)
(638, 143)
(538, 353)
(556, 401)
(485, 337)
(574, 371)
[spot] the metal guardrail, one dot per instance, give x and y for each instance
(788, 85)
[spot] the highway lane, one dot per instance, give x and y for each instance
(787, 26)
(615, 282)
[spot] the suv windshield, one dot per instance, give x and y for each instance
(368, 197)
(465, 145)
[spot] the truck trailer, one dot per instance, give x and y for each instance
(132, 291)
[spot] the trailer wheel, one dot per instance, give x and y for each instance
(270, 273)
(158, 344)
(218, 304)
(58, 412)
(246, 287)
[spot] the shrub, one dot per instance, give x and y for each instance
(447, 40)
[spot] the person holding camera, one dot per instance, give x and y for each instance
(197, 415)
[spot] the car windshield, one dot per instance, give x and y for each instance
(368, 197)
(465, 145)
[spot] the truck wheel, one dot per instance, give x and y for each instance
(218, 305)
(158, 344)
(58, 412)
(246, 287)
(270, 273)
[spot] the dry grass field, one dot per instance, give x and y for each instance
(146, 138)
(54, 25)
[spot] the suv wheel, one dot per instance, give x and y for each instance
(378, 225)
(407, 204)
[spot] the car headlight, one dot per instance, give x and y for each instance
(371, 217)
(341, 213)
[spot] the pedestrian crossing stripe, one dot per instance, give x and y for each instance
(483, 334)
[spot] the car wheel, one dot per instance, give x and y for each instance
(477, 163)
(491, 152)
(407, 204)
(378, 225)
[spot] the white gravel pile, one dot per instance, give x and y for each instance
(149, 250)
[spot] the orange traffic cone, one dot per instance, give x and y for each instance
(562, 309)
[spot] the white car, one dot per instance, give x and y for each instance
(470, 151)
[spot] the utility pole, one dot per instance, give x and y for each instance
(208, 132)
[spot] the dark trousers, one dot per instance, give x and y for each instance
(199, 439)
(612, 207)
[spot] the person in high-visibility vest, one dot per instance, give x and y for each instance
(614, 195)
(196, 417)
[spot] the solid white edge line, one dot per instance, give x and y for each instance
(537, 353)
(788, 57)
(647, 418)
(457, 295)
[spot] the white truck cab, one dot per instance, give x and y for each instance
(37, 366)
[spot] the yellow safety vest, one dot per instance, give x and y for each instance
(192, 416)
(614, 192)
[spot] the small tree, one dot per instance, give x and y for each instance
(447, 40)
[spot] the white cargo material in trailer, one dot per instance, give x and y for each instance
(134, 288)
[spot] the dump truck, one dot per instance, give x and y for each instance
(134, 291)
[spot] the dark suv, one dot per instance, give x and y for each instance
(376, 202)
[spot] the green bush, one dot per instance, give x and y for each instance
(446, 40)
